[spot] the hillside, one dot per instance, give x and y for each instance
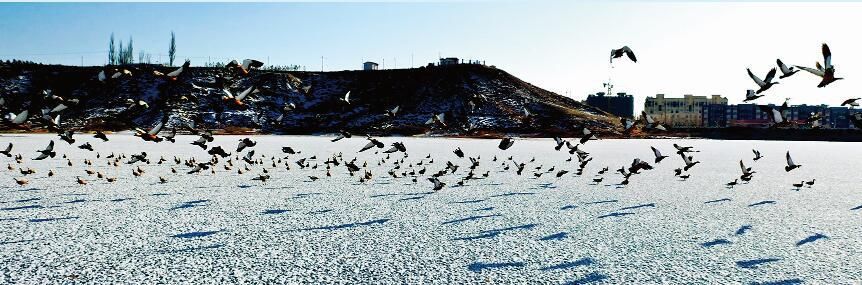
(195, 98)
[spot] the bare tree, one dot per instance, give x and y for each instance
(112, 53)
(172, 50)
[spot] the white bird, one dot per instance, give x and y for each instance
(346, 98)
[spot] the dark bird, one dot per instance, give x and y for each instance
(625, 50)
(459, 152)
(437, 183)
(172, 136)
(198, 167)
(825, 72)
(757, 155)
(372, 142)
(810, 183)
(688, 163)
(201, 142)
(8, 151)
(288, 150)
(799, 185)
(852, 102)
(248, 158)
(658, 156)
(246, 66)
(342, 135)
(790, 164)
(763, 84)
(100, 135)
(506, 143)
(560, 143)
(397, 146)
(732, 183)
(588, 135)
(244, 143)
(751, 96)
(86, 146)
(47, 152)
(217, 150)
(67, 136)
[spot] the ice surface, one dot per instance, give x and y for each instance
(506, 229)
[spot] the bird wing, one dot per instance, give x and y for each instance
(558, 140)
(227, 93)
(347, 97)
(647, 117)
(742, 165)
(777, 116)
(827, 56)
(367, 146)
(770, 75)
(157, 128)
(755, 78)
(656, 152)
(8, 148)
(812, 70)
(59, 108)
(782, 66)
(789, 160)
(176, 73)
(250, 90)
(686, 159)
(395, 110)
(631, 54)
(21, 117)
(41, 156)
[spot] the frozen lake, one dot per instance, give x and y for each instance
(505, 229)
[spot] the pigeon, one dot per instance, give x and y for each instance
(86, 146)
(790, 164)
(47, 152)
(506, 143)
(100, 135)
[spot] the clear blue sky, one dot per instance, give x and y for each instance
(699, 48)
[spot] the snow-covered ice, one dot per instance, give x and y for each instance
(507, 229)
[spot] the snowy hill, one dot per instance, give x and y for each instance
(474, 100)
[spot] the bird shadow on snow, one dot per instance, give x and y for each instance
(191, 249)
(467, 202)
(471, 218)
(26, 200)
(811, 239)
(567, 207)
(616, 214)
(755, 262)
(17, 241)
(513, 194)
(717, 201)
(274, 211)
(495, 232)
(479, 266)
(22, 208)
(590, 278)
(856, 208)
(602, 202)
(347, 226)
(196, 234)
(324, 211)
(556, 236)
(650, 205)
(51, 219)
(190, 204)
(121, 199)
(766, 202)
(485, 209)
(570, 264)
(781, 282)
(715, 243)
(303, 195)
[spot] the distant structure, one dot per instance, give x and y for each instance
(750, 115)
(621, 105)
(681, 112)
(449, 61)
(368, 65)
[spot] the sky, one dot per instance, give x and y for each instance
(683, 47)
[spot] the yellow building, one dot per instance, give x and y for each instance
(680, 112)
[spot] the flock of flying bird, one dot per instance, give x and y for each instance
(398, 168)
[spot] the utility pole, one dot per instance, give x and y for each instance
(411, 60)
(321, 64)
(82, 61)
